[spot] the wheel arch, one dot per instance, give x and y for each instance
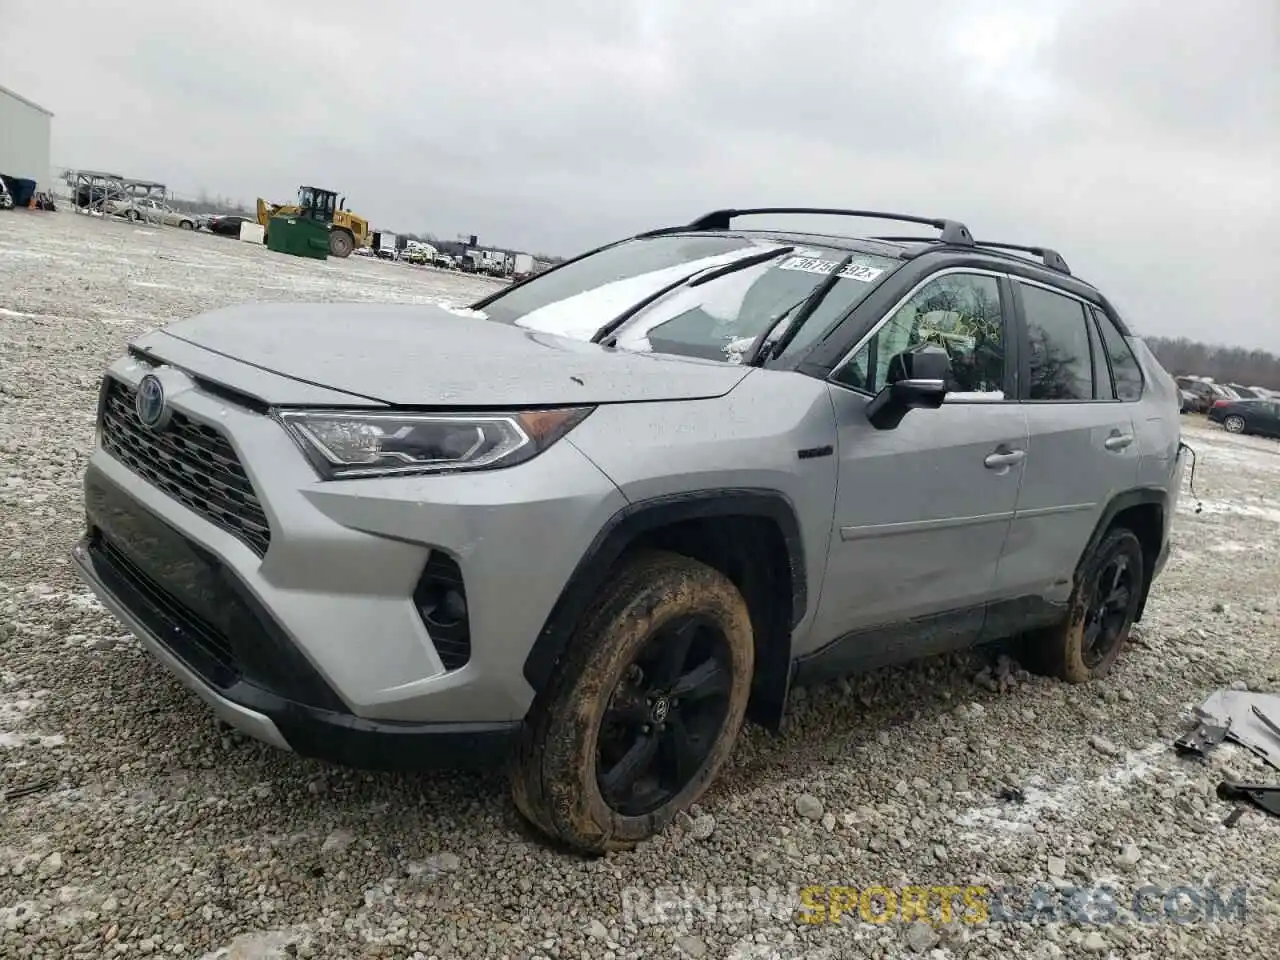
(755, 533)
(1143, 511)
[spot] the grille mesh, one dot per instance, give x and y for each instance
(192, 462)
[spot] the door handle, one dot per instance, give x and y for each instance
(1118, 441)
(1004, 458)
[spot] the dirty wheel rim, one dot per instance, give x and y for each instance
(1108, 615)
(665, 716)
(1234, 424)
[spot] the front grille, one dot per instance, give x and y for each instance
(189, 600)
(192, 462)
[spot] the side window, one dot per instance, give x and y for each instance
(1061, 364)
(1124, 365)
(961, 313)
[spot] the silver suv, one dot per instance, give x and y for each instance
(590, 523)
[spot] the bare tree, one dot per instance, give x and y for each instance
(1247, 367)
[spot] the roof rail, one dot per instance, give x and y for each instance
(953, 231)
(1049, 257)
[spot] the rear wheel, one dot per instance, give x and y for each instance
(341, 243)
(1233, 424)
(644, 709)
(1102, 609)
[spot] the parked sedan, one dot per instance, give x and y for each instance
(152, 211)
(226, 224)
(1248, 416)
(1205, 392)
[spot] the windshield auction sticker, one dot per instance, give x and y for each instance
(852, 271)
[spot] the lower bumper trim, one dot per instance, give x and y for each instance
(310, 731)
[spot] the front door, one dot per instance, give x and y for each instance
(922, 510)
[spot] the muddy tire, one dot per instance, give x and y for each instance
(643, 709)
(1101, 611)
(1233, 424)
(340, 243)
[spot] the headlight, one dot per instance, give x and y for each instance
(342, 444)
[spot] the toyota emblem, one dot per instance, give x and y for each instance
(150, 404)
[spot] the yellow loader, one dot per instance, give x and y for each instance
(346, 230)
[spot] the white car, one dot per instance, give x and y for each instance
(152, 211)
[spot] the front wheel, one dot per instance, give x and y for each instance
(1233, 424)
(186, 225)
(340, 243)
(643, 710)
(1100, 614)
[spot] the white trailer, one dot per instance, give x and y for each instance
(24, 138)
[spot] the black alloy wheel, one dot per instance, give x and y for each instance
(664, 716)
(1107, 619)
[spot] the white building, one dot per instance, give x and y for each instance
(24, 139)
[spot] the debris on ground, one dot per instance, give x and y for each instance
(26, 790)
(1264, 796)
(1250, 719)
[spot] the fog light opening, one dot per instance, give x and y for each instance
(441, 599)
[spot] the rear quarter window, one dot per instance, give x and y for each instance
(1124, 365)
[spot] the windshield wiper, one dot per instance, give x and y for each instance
(725, 269)
(763, 350)
(698, 279)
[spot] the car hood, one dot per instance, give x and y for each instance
(411, 355)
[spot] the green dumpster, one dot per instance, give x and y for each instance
(299, 236)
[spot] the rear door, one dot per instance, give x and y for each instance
(1268, 418)
(1082, 448)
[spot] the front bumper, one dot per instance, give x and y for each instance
(332, 656)
(274, 719)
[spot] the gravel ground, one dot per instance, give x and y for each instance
(163, 834)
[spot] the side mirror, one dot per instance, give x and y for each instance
(917, 381)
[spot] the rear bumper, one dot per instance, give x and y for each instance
(267, 716)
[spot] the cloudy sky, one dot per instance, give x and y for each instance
(1137, 136)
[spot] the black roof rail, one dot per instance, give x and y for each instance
(953, 231)
(1049, 257)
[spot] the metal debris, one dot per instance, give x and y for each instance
(1250, 719)
(26, 790)
(1264, 796)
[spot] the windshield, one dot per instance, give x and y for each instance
(718, 319)
(723, 318)
(575, 300)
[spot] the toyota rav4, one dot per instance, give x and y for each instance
(590, 523)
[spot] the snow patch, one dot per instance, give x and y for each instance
(15, 707)
(581, 315)
(1006, 821)
(1230, 509)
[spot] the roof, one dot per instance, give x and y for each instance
(21, 99)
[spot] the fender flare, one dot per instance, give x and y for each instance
(1141, 496)
(622, 529)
